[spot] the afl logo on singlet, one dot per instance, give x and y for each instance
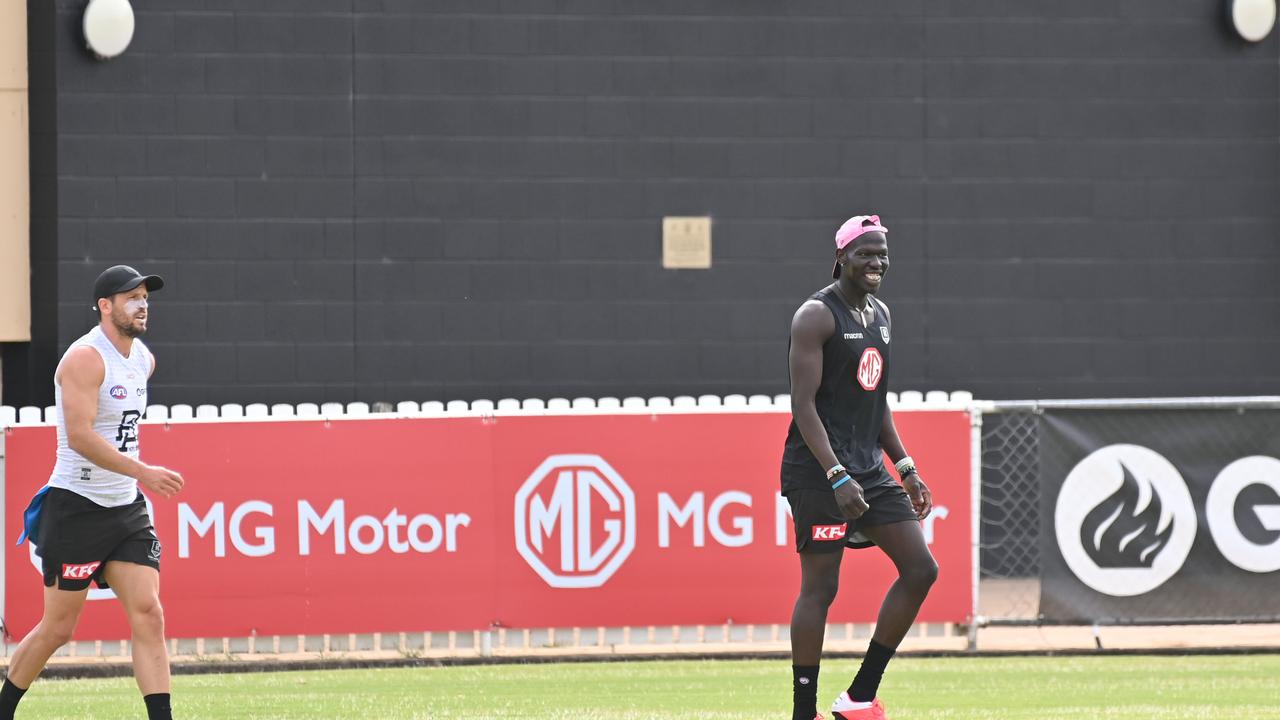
(870, 369)
(118, 392)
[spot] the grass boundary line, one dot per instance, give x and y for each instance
(71, 671)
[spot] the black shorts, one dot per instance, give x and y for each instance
(77, 537)
(821, 527)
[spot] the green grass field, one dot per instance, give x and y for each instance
(1144, 688)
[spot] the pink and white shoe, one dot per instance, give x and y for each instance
(844, 708)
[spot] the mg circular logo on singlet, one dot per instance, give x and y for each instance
(1124, 520)
(575, 521)
(870, 369)
(118, 392)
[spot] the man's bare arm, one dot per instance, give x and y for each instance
(810, 329)
(921, 496)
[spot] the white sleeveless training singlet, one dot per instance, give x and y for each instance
(121, 401)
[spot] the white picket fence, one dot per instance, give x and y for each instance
(906, 400)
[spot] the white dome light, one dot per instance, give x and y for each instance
(1253, 19)
(108, 27)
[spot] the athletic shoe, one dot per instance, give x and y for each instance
(844, 708)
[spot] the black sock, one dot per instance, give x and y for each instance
(10, 694)
(158, 706)
(867, 682)
(804, 692)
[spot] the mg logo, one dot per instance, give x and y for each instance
(575, 521)
(870, 368)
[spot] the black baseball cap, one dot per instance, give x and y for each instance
(122, 278)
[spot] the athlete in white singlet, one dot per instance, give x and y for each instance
(91, 523)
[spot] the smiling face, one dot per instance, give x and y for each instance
(127, 311)
(865, 261)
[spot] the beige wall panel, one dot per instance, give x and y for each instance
(15, 225)
(13, 44)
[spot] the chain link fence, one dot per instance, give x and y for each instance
(1009, 524)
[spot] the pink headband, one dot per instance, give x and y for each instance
(855, 226)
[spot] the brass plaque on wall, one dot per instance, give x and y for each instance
(686, 243)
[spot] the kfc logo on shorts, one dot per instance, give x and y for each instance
(79, 572)
(118, 392)
(829, 532)
(870, 369)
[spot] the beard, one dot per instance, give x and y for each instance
(125, 325)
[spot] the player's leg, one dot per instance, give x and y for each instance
(138, 587)
(820, 529)
(819, 581)
(61, 612)
(904, 543)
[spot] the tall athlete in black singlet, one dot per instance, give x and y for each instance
(833, 471)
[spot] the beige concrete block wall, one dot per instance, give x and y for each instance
(15, 196)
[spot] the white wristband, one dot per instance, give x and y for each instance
(904, 465)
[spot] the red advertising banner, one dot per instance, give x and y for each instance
(402, 524)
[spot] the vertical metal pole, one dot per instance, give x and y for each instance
(975, 507)
(4, 485)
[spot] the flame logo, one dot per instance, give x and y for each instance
(1116, 534)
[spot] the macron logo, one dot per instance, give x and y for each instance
(79, 572)
(829, 532)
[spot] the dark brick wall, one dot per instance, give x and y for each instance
(426, 199)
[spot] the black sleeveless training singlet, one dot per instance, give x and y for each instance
(851, 401)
